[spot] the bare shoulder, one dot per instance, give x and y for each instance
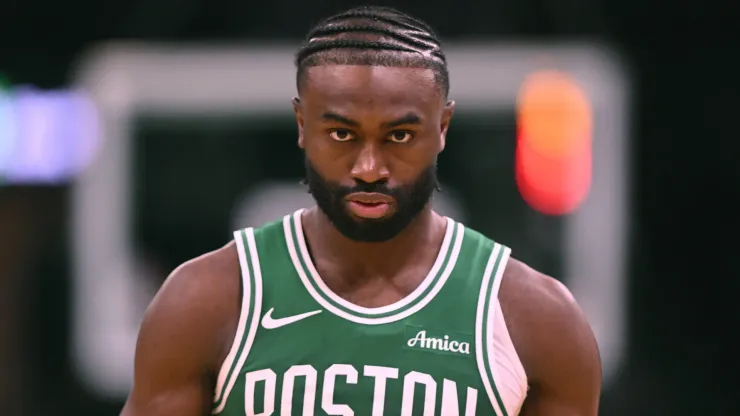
(554, 341)
(204, 294)
(185, 335)
(208, 283)
(535, 303)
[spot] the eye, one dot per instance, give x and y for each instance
(341, 135)
(400, 137)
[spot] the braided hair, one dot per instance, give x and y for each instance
(373, 36)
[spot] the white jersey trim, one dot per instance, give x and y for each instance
(294, 220)
(256, 314)
(316, 278)
(480, 322)
(244, 313)
(511, 379)
(501, 354)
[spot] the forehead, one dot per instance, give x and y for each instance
(371, 88)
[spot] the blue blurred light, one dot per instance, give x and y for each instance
(45, 136)
(8, 135)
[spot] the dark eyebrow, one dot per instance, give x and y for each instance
(329, 116)
(409, 118)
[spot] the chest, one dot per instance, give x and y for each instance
(375, 290)
(324, 365)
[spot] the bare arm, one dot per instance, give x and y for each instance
(558, 348)
(181, 341)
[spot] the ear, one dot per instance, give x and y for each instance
(447, 114)
(299, 119)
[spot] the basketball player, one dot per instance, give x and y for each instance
(369, 303)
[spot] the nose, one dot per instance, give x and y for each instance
(370, 166)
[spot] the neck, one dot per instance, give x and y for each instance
(362, 259)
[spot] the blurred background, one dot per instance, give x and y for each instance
(593, 137)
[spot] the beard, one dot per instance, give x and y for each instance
(410, 200)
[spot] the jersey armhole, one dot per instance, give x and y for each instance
(484, 325)
(249, 316)
(504, 353)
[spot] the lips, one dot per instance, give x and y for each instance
(369, 205)
(370, 198)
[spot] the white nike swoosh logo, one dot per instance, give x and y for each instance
(269, 323)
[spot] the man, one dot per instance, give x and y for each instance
(370, 303)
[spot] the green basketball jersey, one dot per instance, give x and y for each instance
(302, 350)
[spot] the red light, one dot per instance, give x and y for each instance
(553, 156)
(552, 185)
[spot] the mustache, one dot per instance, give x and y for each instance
(312, 178)
(367, 187)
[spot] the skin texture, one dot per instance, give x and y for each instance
(370, 125)
(371, 105)
(185, 336)
(554, 342)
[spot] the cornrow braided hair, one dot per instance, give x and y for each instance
(374, 36)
